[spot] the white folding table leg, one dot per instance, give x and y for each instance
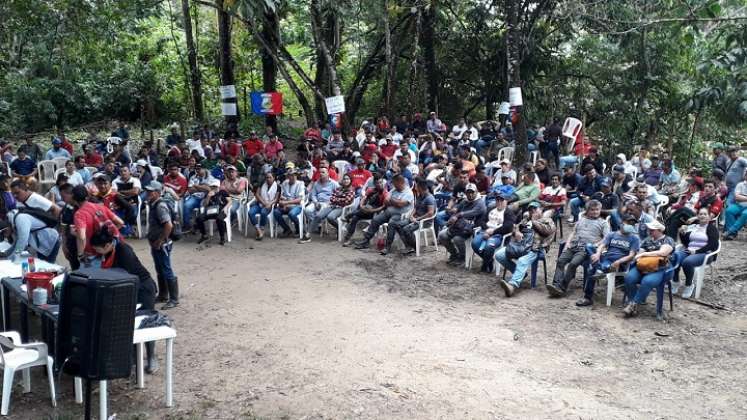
(139, 363)
(102, 401)
(78, 390)
(169, 371)
(50, 376)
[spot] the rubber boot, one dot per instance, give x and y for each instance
(151, 365)
(163, 292)
(173, 295)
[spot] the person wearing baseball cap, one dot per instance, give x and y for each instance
(500, 221)
(57, 151)
(470, 213)
(652, 260)
(213, 207)
(161, 225)
(616, 250)
(531, 237)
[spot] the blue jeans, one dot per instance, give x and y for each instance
(518, 269)
(647, 282)
(292, 213)
(576, 205)
(485, 248)
(736, 218)
(441, 218)
(602, 265)
(190, 204)
(235, 204)
(688, 266)
(162, 261)
(257, 210)
(615, 220)
(481, 144)
(52, 257)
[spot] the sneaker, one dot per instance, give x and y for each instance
(347, 243)
(728, 236)
(455, 261)
(631, 310)
(584, 302)
(508, 288)
(408, 251)
(306, 239)
(202, 239)
(554, 290)
(688, 292)
(569, 219)
(222, 241)
(170, 304)
(362, 245)
(384, 251)
(675, 287)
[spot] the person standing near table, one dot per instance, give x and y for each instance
(115, 253)
(89, 219)
(33, 234)
(159, 237)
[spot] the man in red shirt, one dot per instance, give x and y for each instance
(273, 147)
(92, 158)
(330, 171)
(175, 180)
(253, 145)
(388, 150)
(360, 174)
(230, 148)
(65, 142)
(88, 219)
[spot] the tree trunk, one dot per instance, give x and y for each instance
(515, 43)
(194, 71)
(271, 32)
(412, 105)
(429, 52)
(389, 62)
(224, 49)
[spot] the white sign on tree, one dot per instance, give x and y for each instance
(228, 91)
(504, 109)
(335, 104)
(514, 96)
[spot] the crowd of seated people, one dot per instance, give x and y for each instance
(391, 179)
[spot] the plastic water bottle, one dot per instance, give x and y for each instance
(32, 265)
(24, 269)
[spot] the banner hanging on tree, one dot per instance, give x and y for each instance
(227, 92)
(267, 103)
(514, 96)
(335, 104)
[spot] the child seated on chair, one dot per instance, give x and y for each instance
(616, 250)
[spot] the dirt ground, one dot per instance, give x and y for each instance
(281, 330)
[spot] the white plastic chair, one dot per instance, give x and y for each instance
(59, 163)
(611, 277)
(226, 220)
(663, 201)
(22, 357)
(58, 172)
(506, 153)
(571, 128)
(139, 220)
(469, 253)
(425, 231)
(533, 156)
(341, 166)
(699, 275)
(46, 169)
(341, 227)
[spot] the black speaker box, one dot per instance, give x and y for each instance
(96, 323)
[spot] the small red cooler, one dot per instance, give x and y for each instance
(39, 279)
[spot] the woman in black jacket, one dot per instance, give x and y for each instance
(117, 254)
(698, 238)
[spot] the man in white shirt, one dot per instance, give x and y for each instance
(26, 198)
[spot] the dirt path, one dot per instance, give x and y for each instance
(318, 331)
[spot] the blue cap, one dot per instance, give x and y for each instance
(56, 141)
(605, 182)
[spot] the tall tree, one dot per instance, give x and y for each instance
(430, 65)
(194, 71)
(271, 32)
(224, 53)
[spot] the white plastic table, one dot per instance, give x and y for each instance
(140, 337)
